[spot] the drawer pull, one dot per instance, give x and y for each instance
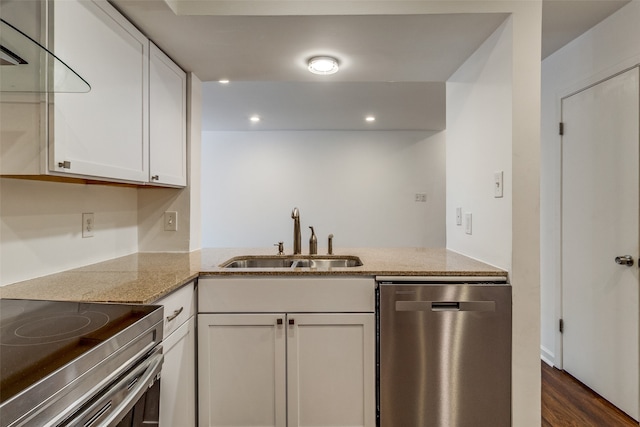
(279, 322)
(175, 314)
(292, 322)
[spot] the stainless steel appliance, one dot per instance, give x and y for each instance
(444, 354)
(70, 363)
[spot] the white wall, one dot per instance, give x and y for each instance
(479, 133)
(41, 226)
(360, 186)
(610, 47)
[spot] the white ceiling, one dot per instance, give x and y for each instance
(392, 66)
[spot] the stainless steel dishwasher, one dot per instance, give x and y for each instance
(444, 352)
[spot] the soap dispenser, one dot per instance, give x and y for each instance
(313, 243)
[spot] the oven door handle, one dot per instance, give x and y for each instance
(137, 382)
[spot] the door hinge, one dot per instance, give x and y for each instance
(561, 325)
(561, 128)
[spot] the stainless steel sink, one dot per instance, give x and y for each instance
(283, 261)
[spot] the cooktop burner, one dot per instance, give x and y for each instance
(39, 337)
(50, 328)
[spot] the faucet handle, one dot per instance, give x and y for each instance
(330, 245)
(280, 246)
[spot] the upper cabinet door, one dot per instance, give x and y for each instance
(103, 133)
(167, 120)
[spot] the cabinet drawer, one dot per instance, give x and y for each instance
(286, 294)
(178, 307)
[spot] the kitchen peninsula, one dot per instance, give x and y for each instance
(262, 300)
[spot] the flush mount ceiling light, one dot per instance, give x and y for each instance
(254, 119)
(323, 65)
(370, 119)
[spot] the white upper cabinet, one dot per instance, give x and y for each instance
(130, 127)
(102, 133)
(167, 120)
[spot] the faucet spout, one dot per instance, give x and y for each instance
(297, 237)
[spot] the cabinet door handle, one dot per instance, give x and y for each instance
(279, 322)
(175, 314)
(155, 177)
(292, 322)
(64, 165)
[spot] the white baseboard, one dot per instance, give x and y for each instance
(547, 356)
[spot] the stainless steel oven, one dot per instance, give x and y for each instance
(79, 364)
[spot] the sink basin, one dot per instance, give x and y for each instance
(328, 262)
(258, 262)
(284, 261)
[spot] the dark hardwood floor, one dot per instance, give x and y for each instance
(568, 402)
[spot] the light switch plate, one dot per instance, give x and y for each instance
(171, 221)
(498, 184)
(467, 222)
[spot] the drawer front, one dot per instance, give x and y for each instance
(286, 294)
(178, 307)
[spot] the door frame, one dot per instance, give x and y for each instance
(592, 81)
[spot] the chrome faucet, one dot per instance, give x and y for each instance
(297, 239)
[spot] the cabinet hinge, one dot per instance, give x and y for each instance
(561, 128)
(561, 325)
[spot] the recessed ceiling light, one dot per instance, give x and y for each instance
(323, 65)
(254, 119)
(223, 81)
(370, 119)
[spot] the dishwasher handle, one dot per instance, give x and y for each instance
(445, 306)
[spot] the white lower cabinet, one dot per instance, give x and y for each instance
(330, 370)
(262, 361)
(178, 386)
(288, 369)
(178, 381)
(241, 370)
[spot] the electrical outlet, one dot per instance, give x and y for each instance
(171, 221)
(421, 197)
(467, 222)
(458, 216)
(498, 184)
(87, 224)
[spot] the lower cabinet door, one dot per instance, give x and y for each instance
(331, 370)
(241, 377)
(177, 385)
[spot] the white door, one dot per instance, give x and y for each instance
(599, 223)
(331, 370)
(241, 370)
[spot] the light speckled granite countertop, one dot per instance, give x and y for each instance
(146, 277)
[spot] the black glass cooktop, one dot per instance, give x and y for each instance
(39, 337)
